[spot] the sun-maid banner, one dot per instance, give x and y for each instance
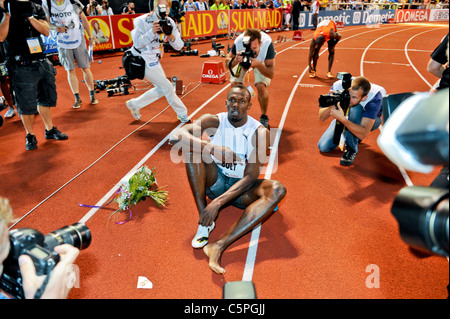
(112, 32)
(109, 32)
(211, 23)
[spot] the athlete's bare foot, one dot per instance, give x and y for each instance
(214, 254)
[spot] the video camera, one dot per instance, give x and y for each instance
(342, 97)
(416, 137)
(27, 241)
(120, 85)
(22, 8)
(163, 22)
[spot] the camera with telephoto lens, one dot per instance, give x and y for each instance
(342, 97)
(188, 50)
(416, 138)
(247, 53)
(118, 82)
(163, 22)
(30, 242)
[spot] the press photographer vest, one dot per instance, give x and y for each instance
(266, 40)
(239, 140)
(65, 14)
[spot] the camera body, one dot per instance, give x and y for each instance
(119, 85)
(163, 22)
(247, 53)
(416, 137)
(22, 8)
(27, 241)
(342, 97)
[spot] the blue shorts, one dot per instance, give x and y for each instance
(222, 185)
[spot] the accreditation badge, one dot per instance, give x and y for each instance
(34, 45)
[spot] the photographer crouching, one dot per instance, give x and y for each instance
(32, 74)
(54, 286)
(355, 106)
(149, 33)
(255, 49)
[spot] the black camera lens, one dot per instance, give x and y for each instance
(328, 100)
(77, 235)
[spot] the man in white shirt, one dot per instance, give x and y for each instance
(228, 172)
(148, 37)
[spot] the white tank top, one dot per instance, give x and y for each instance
(238, 139)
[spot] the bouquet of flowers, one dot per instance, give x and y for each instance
(139, 187)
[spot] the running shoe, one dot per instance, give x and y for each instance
(312, 74)
(94, 100)
(55, 134)
(184, 119)
(77, 104)
(31, 143)
(134, 111)
(330, 75)
(201, 237)
(10, 113)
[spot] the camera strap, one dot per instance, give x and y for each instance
(41, 289)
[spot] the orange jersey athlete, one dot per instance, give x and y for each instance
(326, 32)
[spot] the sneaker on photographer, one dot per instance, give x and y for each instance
(10, 113)
(134, 111)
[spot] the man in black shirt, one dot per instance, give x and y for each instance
(32, 75)
(438, 64)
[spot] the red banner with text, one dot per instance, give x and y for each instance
(114, 32)
(215, 22)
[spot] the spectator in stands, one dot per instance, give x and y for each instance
(128, 9)
(106, 9)
(215, 6)
(190, 5)
(202, 5)
(93, 8)
(239, 4)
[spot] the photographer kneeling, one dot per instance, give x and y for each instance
(364, 115)
(57, 286)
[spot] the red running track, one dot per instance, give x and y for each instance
(332, 228)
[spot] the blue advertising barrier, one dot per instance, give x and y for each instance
(371, 18)
(50, 43)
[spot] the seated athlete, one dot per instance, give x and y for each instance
(326, 32)
(228, 172)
